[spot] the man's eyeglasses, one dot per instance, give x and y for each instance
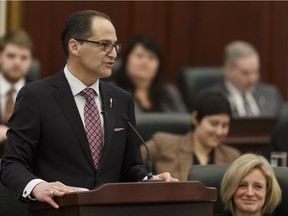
(107, 46)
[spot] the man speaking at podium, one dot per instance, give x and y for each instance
(67, 131)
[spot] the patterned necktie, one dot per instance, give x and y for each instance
(9, 104)
(247, 106)
(93, 126)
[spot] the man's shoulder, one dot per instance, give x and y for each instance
(113, 88)
(261, 86)
(268, 91)
(39, 84)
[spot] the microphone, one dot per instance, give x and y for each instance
(103, 112)
(148, 160)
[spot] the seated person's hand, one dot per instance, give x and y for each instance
(166, 176)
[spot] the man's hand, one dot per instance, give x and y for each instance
(3, 130)
(45, 192)
(166, 176)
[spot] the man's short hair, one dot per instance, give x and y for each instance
(78, 25)
(18, 37)
(238, 49)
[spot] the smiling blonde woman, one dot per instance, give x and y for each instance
(249, 187)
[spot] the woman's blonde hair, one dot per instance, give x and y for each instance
(238, 170)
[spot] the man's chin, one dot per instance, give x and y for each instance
(15, 77)
(107, 74)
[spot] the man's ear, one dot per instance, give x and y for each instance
(74, 47)
(194, 117)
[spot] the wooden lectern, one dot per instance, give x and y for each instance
(135, 199)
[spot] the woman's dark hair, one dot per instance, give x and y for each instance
(79, 25)
(157, 93)
(211, 103)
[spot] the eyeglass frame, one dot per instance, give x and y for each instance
(104, 44)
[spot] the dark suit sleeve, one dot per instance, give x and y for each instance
(23, 137)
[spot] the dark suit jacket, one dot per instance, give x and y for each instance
(47, 138)
(267, 98)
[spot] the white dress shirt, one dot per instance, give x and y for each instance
(237, 102)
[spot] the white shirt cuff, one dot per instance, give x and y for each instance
(29, 187)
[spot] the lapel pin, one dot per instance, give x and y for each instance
(111, 102)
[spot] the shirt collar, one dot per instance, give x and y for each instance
(231, 88)
(77, 86)
(6, 85)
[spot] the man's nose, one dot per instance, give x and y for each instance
(16, 60)
(113, 53)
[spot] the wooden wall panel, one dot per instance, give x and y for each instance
(189, 33)
(278, 55)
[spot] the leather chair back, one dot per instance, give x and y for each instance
(34, 72)
(148, 124)
(194, 79)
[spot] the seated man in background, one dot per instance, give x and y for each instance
(201, 145)
(249, 187)
(248, 96)
(15, 61)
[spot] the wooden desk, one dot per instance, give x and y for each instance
(251, 134)
(258, 145)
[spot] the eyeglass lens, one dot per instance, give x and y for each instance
(109, 46)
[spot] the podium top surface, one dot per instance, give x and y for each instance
(137, 193)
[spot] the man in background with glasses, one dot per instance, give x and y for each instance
(67, 132)
(247, 94)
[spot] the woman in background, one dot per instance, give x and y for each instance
(249, 187)
(141, 74)
(203, 145)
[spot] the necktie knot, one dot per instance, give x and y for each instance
(89, 94)
(11, 91)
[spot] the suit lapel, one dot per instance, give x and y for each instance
(63, 96)
(107, 107)
(260, 98)
(230, 99)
